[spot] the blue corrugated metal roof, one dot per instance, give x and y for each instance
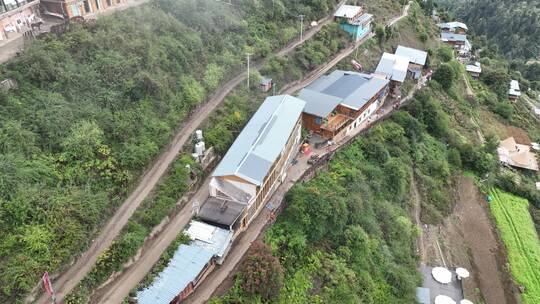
(453, 37)
(188, 261)
(262, 139)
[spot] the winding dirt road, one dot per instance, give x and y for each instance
(66, 281)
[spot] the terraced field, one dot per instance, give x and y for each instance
(520, 238)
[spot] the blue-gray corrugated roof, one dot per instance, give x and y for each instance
(350, 89)
(262, 139)
(423, 295)
(453, 25)
(414, 55)
(317, 103)
(453, 37)
(188, 261)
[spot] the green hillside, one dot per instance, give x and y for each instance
(513, 26)
(95, 105)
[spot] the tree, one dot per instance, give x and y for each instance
(445, 75)
(261, 272)
(380, 33)
(445, 53)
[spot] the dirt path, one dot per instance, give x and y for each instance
(403, 15)
(293, 87)
(468, 239)
(117, 290)
(70, 278)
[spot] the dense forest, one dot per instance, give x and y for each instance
(95, 105)
(513, 26)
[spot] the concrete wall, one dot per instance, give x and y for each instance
(18, 19)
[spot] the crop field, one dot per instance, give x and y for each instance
(520, 238)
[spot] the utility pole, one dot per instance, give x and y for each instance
(356, 47)
(248, 54)
(301, 27)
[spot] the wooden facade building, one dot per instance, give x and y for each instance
(337, 103)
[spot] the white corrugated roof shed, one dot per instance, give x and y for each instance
(393, 66)
(262, 139)
(473, 68)
(414, 55)
(514, 88)
(453, 25)
(348, 11)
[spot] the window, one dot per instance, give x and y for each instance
(87, 7)
(10, 4)
(318, 120)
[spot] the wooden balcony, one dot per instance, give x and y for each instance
(335, 123)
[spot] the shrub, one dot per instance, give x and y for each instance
(445, 53)
(445, 75)
(504, 109)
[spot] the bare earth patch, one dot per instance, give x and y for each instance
(467, 238)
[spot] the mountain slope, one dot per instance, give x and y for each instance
(513, 26)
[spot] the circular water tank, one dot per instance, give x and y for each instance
(198, 135)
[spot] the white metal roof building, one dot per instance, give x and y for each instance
(393, 66)
(474, 68)
(514, 88)
(262, 139)
(348, 11)
(415, 56)
(453, 25)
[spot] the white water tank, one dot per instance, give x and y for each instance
(198, 135)
(199, 148)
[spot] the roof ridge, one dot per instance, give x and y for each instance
(236, 171)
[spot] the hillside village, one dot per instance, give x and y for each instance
(332, 109)
(238, 212)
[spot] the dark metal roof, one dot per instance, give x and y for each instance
(223, 213)
(317, 103)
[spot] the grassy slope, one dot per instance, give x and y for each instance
(520, 238)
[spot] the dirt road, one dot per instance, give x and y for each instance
(70, 278)
(289, 89)
(468, 239)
